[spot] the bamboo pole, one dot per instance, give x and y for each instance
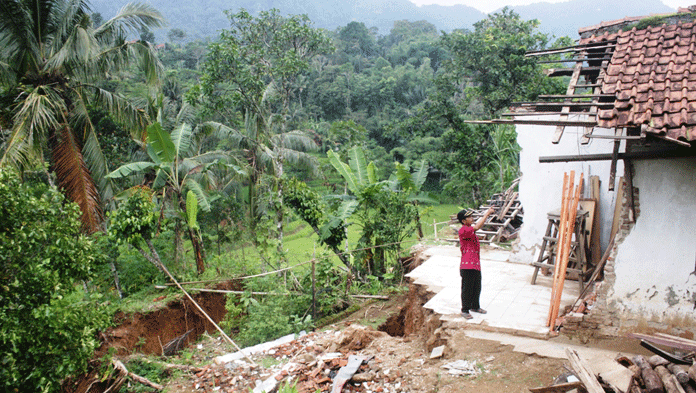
(559, 241)
(572, 213)
(569, 221)
(200, 309)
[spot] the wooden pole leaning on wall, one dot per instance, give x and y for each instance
(560, 239)
(572, 209)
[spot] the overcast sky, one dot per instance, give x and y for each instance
(492, 5)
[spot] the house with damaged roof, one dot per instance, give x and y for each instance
(627, 123)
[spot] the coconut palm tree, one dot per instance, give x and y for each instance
(52, 60)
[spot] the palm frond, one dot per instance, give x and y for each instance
(124, 112)
(186, 114)
(77, 53)
(34, 121)
(91, 150)
(296, 140)
(147, 57)
(302, 159)
(131, 18)
(74, 178)
(19, 44)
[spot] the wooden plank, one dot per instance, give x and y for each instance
(536, 113)
(535, 122)
(584, 373)
(559, 246)
(565, 253)
(670, 341)
(570, 49)
(595, 238)
(590, 205)
(614, 137)
(597, 90)
(560, 388)
(628, 172)
(614, 159)
(553, 72)
(618, 204)
(572, 59)
(570, 91)
(572, 104)
(561, 96)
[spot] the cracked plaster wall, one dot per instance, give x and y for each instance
(541, 185)
(655, 262)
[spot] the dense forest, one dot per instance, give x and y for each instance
(125, 163)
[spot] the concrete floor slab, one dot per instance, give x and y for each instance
(514, 305)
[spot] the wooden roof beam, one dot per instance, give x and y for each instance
(574, 48)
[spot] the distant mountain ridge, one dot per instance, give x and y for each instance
(564, 19)
(204, 18)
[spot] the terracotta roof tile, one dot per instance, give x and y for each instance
(653, 77)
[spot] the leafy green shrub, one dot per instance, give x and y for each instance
(47, 329)
(153, 371)
(330, 286)
(266, 318)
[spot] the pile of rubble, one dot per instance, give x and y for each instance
(330, 360)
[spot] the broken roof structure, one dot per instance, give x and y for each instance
(628, 118)
(628, 75)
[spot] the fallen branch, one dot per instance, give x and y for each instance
(123, 371)
(166, 366)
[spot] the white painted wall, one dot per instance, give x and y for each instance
(541, 185)
(655, 262)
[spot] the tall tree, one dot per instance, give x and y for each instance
(53, 60)
(254, 66)
(492, 59)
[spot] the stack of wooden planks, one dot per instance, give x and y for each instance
(569, 207)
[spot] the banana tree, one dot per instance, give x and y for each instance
(181, 173)
(385, 215)
(411, 184)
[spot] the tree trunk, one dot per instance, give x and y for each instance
(152, 256)
(198, 250)
(112, 265)
(178, 244)
(418, 223)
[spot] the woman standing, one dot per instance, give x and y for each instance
(470, 265)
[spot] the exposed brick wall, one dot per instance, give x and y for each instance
(604, 320)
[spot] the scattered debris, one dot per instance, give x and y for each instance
(463, 367)
(437, 352)
(632, 375)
